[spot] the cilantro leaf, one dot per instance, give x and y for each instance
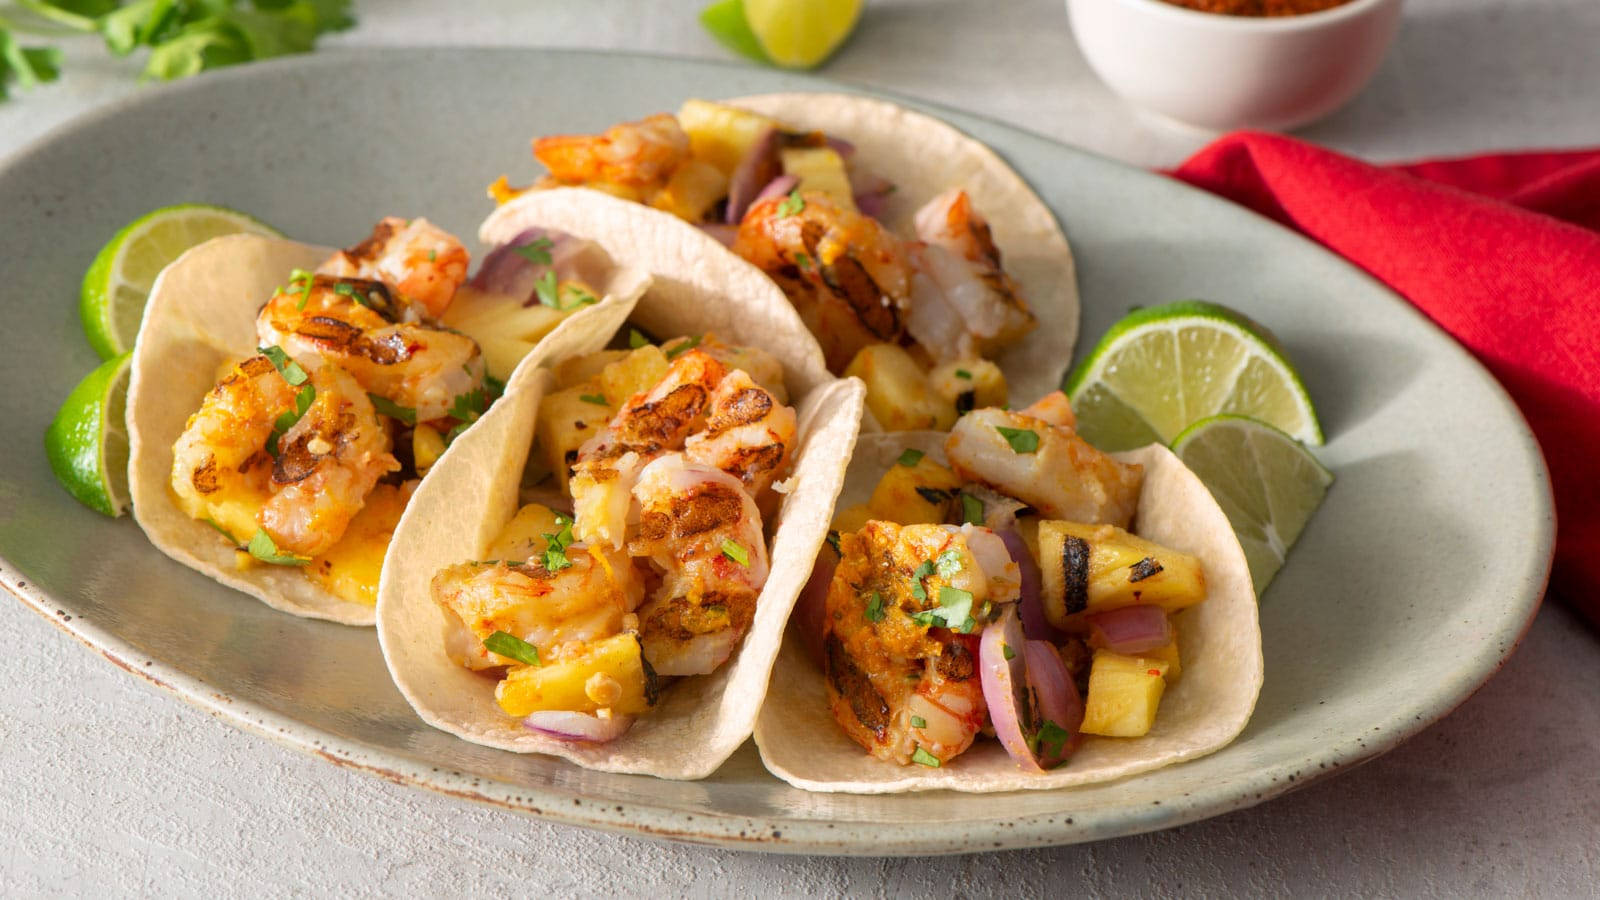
(596, 399)
(948, 564)
(954, 611)
(545, 287)
(512, 647)
(393, 410)
(1022, 440)
(683, 347)
(923, 758)
(910, 457)
(791, 204)
(636, 339)
(874, 612)
(536, 251)
(555, 551)
(262, 547)
(971, 510)
(288, 368)
(736, 552)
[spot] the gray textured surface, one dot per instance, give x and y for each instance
(111, 786)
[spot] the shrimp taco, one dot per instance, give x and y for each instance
(1004, 607)
(285, 399)
(602, 568)
(920, 261)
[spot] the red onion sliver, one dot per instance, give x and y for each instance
(755, 170)
(777, 187)
(1131, 630)
(577, 726)
(1058, 704)
(844, 148)
(1029, 603)
(810, 616)
(1005, 686)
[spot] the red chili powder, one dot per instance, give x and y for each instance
(1259, 7)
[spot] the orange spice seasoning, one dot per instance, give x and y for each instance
(1259, 7)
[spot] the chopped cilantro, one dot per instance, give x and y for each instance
(536, 251)
(574, 296)
(300, 282)
(911, 457)
(286, 419)
(512, 647)
(683, 347)
(1022, 440)
(736, 552)
(596, 399)
(493, 385)
(262, 547)
(802, 260)
(545, 287)
(917, 574)
(222, 531)
(288, 368)
(1052, 738)
(954, 611)
(469, 406)
(963, 373)
(1009, 653)
(636, 339)
(971, 510)
(924, 758)
(948, 564)
(393, 410)
(919, 722)
(791, 204)
(433, 255)
(875, 611)
(555, 550)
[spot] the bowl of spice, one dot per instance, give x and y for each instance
(1225, 64)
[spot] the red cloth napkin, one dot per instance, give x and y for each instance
(1501, 251)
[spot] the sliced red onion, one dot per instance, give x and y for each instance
(844, 148)
(577, 726)
(811, 610)
(1005, 685)
(1029, 603)
(871, 191)
(755, 170)
(727, 234)
(1130, 630)
(777, 187)
(1059, 704)
(504, 271)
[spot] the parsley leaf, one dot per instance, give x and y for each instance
(1022, 440)
(536, 251)
(512, 647)
(911, 457)
(393, 410)
(791, 204)
(1050, 736)
(262, 547)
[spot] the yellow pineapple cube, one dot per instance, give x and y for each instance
(565, 420)
(350, 568)
(1124, 694)
(719, 134)
(898, 392)
(427, 445)
(522, 538)
(627, 686)
(970, 384)
(850, 519)
(1094, 568)
(1168, 655)
(632, 374)
(692, 190)
(914, 494)
(819, 169)
(577, 369)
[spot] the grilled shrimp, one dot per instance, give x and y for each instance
(900, 649)
(1063, 477)
(846, 275)
(702, 532)
(963, 303)
(762, 367)
(326, 464)
(641, 153)
(423, 263)
(362, 327)
(583, 602)
(748, 433)
(221, 470)
(647, 425)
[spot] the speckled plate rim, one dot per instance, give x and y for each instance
(797, 835)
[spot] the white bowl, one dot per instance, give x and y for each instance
(1220, 72)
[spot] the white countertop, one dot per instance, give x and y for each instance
(111, 787)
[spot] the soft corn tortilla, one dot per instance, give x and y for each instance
(472, 493)
(924, 157)
(202, 314)
(1219, 644)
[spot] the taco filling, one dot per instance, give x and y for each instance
(915, 305)
(1000, 595)
(656, 467)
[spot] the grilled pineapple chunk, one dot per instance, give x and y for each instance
(819, 169)
(576, 369)
(570, 683)
(918, 494)
(1124, 694)
(970, 384)
(1168, 655)
(692, 190)
(898, 392)
(504, 329)
(1094, 568)
(350, 568)
(851, 519)
(566, 419)
(522, 538)
(427, 445)
(719, 134)
(632, 374)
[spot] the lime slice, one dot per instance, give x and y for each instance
(1164, 367)
(799, 34)
(119, 280)
(1266, 482)
(726, 22)
(87, 444)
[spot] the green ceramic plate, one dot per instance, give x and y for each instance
(1409, 588)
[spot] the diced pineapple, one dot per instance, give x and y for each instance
(898, 392)
(566, 419)
(850, 519)
(233, 515)
(918, 494)
(762, 367)
(819, 169)
(1169, 655)
(575, 369)
(1124, 694)
(633, 374)
(504, 329)
(969, 384)
(522, 538)
(427, 445)
(721, 135)
(1094, 568)
(692, 190)
(350, 568)
(565, 684)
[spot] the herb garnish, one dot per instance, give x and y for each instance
(1050, 736)
(791, 204)
(919, 722)
(555, 550)
(948, 564)
(1007, 651)
(801, 260)
(971, 510)
(911, 457)
(465, 409)
(963, 373)
(300, 282)
(596, 399)
(393, 410)
(512, 647)
(287, 419)
(874, 612)
(288, 368)
(684, 347)
(917, 574)
(736, 552)
(1022, 440)
(923, 757)
(636, 339)
(536, 251)
(574, 296)
(545, 287)
(954, 611)
(262, 547)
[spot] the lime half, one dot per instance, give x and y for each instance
(87, 444)
(1266, 482)
(799, 34)
(1164, 367)
(119, 280)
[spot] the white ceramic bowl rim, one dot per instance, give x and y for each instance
(1220, 21)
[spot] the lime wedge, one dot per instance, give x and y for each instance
(87, 444)
(1163, 367)
(1266, 482)
(119, 280)
(726, 22)
(799, 34)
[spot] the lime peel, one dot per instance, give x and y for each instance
(87, 442)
